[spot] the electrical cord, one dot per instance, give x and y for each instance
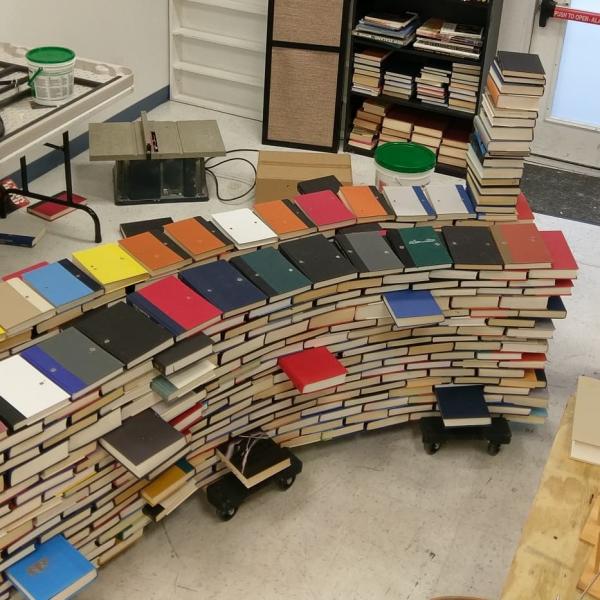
(211, 166)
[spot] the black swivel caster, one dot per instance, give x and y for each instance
(285, 483)
(431, 448)
(226, 513)
(493, 449)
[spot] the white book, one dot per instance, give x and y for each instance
(450, 201)
(25, 394)
(409, 203)
(244, 228)
(184, 381)
(38, 464)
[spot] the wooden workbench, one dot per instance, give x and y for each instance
(550, 558)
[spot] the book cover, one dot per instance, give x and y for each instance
(269, 270)
(425, 247)
(223, 286)
(313, 369)
(450, 201)
(521, 246)
(245, 228)
(561, 256)
(110, 266)
(153, 254)
(55, 569)
(369, 252)
(50, 211)
(413, 307)
(409, 203)
(57, 285)
(319, 259)
(325, 210)
(125, 333)
(364, 202)
(282, 219)
(195, 238)
(136, 227)
(16, 311)
(521, 64)
(320, 184)
(183, 353)
(81, 276)
(472, 248)
(22, 272)
(462, 406)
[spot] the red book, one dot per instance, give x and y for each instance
(180, 304)
(188, 418)
(529, 360)
(17, 201)
(22, 272)
(51, 211)
(313, 369)
(524, 212)
(521, 246)
(325, 210)
(564, 265)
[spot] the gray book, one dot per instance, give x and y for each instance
(369, 252)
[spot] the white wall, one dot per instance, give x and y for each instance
(516, 25)
(133, 33)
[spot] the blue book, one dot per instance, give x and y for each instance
(409, 308)
(58, 286)
(54, 371)
(145, 306)
(463, 406)
(223, 286)
(422, 196)
(54, 569)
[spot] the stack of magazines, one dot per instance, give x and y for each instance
(454, 39)
(398, 30)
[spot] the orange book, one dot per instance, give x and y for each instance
(196, 239)
(156, 257)
(521, 246)
(363, 201)
(284, 218)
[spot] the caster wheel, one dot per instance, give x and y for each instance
(227, 513)
(493, 449)
(285, 483)
(432, 448)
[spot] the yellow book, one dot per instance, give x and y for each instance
(111, 266)
(2, 334)
(168, 482)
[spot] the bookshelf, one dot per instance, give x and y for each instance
(484, 14)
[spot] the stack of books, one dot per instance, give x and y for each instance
(397, 125)
(454, 39)
(111, 415)
(399, 83)
(464, 87)
(429, 130)
(367, 71)
(455, 144)
(504, 133)
(367, 125)
(398, 30)
(432, 85)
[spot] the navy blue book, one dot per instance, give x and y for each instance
(410, 308)
(79, 274)
(55, 569)
(224, 287)
(463, 406)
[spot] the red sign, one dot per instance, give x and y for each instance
(581, 16)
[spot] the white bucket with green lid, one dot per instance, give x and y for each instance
(403, 163)
(51, 74)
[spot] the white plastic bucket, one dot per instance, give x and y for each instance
(403, 163)
(385, 177)
(51, 74)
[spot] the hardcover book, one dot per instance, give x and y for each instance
(313, 369)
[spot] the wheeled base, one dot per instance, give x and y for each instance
(435, 433)
(228, 493)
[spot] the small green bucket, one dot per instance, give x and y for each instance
(51, 74)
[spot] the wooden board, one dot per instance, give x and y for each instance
(550, 558)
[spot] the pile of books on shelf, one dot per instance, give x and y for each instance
(432, 85)
(124, 367)
(464, 87)
(397, 125)
(504, 133)
(367, 75)
(454, 39)
(454, 146)
(397, 30)
(399, 83)
(367, 125)
(428, 131)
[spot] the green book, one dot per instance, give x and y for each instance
(426, 248)
(270, 271)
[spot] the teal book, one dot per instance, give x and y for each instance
(55, 569)
(426, 248)
(270, 271)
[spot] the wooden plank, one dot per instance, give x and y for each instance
(550, 558)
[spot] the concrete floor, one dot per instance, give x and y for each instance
(371, 516)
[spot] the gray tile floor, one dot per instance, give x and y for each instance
(371, 516)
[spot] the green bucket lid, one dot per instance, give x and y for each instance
(50, 55)
(405, 157)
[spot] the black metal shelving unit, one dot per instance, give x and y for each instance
(485, 14)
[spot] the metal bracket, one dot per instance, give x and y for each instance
(546, 11)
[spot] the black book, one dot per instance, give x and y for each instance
(398, 246)
(164, 239)
(136, 227)
(183, 353)
(254, 457)
(143, 442)
(321, 184)
(83, 277)
(473, 248)
(124, 332)
(10, 416)
(463, 406)
(361, 228)
(521, 64)
(383, 201)
(369, 252)
(321, 261)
